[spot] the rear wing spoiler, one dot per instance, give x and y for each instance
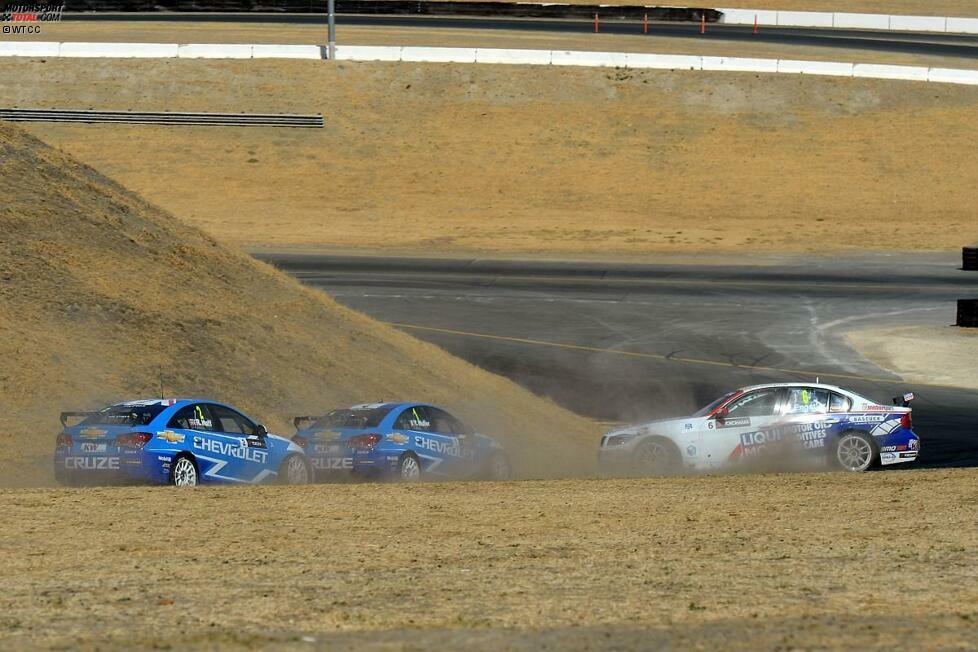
(904, 401)
(73, 415)
(298, 421)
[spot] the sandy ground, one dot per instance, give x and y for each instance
(827, 561)
(163, 32)
(100, 291)
(941, 355)
(440, 159)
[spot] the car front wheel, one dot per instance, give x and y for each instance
(656, 456)
(498, 468)
(855, 452)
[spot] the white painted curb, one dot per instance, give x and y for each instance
(492, 56)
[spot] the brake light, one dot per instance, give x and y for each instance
(133, 440)
(64, 440)
(300, 441)
(364, 441)
(906, 421)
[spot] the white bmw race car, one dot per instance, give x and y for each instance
(821, 424)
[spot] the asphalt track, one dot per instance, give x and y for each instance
(952, 45)
(633, 342)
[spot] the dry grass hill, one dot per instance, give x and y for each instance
(98, 288)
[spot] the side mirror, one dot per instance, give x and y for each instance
(261, 431)
(721, 414)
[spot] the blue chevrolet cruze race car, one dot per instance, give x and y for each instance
(406, 441)
(182, 442)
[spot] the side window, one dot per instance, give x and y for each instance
(193, 417)
(761, 403)
(806, 400)
(443, 423)
(839, 403)
(414, 418)
(229, 421)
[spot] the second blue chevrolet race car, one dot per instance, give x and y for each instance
(406, 441)
(181, 442)
(795, 422)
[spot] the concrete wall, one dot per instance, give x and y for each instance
(839, 20)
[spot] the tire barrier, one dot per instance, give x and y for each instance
(165, 118)
(407, 8)
(969, 258)
(967, 313)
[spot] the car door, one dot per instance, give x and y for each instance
(437, 450)
(744, 427)
(250, 460)
(463, 450)
(813, 414)
(195, 423)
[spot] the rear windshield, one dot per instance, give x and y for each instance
(124, 415)
(355, 418)
(702, 412)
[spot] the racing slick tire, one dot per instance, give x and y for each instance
(295, 469)
(184, 472)
(408, 468)
(855, 451)
(498, 468)
(656, 456)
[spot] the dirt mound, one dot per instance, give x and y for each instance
(99, 289)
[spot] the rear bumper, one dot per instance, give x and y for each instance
(129, 467)
(899, 447)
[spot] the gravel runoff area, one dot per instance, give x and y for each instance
(882, 560)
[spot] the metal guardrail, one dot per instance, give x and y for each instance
(165, 118)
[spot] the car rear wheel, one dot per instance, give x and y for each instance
(409, 468)
(656, 456)
(295, 470)
(184, 473)
(854, 451)
(498, 468)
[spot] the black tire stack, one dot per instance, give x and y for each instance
(967, 313)
(969, 259)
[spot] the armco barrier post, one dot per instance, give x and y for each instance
(703, 23)
(645, 24)
(755, 23)
(595, 23)
(969, 258)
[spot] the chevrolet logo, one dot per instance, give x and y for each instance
(92, 433)
(172, 437)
